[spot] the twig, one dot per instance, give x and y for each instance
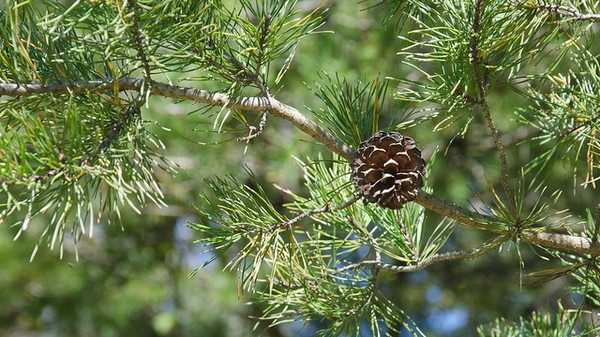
(366, 299)
(139, 42)
(131, 110)
(561, 10)
(370, 288)
(250, 77)
(369, 238)
(265, 91)
(413, 251)
(562, 242)
(427, 262)
(482, 101)
(297, 218)
(128, 113)
(259, 130)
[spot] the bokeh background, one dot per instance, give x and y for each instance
(131, 278)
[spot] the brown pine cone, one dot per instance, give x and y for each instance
(388, 169)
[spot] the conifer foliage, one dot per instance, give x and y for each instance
(75, 146)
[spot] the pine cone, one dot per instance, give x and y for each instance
(388, 169)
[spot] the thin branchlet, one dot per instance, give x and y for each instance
(370, 240)
(449, 256)
(564, 11)
(139, 41)
(134, 108)
(248, 77)
(413, 251)
(126, 117)
(478, 65)
(116, 129)
(288, 224)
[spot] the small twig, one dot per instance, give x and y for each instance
(139, 42)
(295, 286)
(250, 78)
(561, 10)
(371, 286)
(115, 131)
(261, 42)
(409, 243)
(259, 130)
(427, 262)
(482, 101)
(297, 218)
(366, 299)
(590, 264)
(369, 238)
(254, 78)
(220, 69)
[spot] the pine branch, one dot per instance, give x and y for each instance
(128, 114)
(562, 242)
(561, 10)
(197, 95)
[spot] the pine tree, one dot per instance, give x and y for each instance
(75, 81)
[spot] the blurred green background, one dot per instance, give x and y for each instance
(131, 279)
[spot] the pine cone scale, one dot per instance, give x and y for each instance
(373, 175)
